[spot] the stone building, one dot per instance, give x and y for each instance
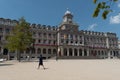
(64, 41)
(75, 43)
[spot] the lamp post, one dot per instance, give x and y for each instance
(29, 56)
(31, 50)
(58, 42)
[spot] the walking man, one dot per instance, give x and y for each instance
(41, 62)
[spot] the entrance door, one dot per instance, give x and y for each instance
(5, 51)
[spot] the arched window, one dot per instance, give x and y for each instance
(49, 51)
(80, 52)
(110, 52)
(95, 52)
(21, 51)
(102, 53)
(54, 51)
(70, 52)
(27, 50)
(39, 51)
(114, 53)
(5, 51)
(98, 52)
(105, 53)
(85, 52)
(33, 50)
(65, 52)
(44, 51)
(75, 52)
(92, 52)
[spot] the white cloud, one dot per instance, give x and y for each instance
(115, 19)
(92, 27)
(119, 5)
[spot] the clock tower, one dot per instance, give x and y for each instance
(68, 23)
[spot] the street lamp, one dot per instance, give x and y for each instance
(58, 42)
(31, 50)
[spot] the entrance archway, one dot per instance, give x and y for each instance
(65, 52)
(70, 52)
(5, 51)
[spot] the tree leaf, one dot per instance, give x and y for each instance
(105, 13)
(20, 37)
(96, 12)
(115, 0)
(95, 1)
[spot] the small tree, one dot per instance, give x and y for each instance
(20, 38)
(104, 6)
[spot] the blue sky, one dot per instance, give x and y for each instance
(50, 12)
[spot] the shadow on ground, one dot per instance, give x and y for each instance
(3, 64)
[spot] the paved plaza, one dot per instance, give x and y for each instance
(61, 70)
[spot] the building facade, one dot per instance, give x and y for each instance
(64, 41)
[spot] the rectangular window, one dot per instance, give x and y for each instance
(54, 42)
(1, 30)
(34, 34)
(39, 41)
(75, 36)
(44, 41)
(34, 41)
(49, 42)
(49, 35)
(67, 42)
(62, 40)
(80, 42)
(7, 30)
(39, 34)
(44, 35)
(0, 38)
(71, 36)
(54, 35)
(62, 35)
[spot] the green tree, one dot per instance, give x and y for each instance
(20, 38)
(104, 6)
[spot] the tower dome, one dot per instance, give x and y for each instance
(67, 17)
(67, 12)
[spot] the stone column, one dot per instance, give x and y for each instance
(24, 54)
(82, 52)
(108, 54)
(87, 52)
(58, 38)
(67, 51)
(47, 53)
(1, 50)
(72, 51)
(77, 51)
(36, 50)
(8, 56)
(16, 54)
(82, 39)
(62, 51)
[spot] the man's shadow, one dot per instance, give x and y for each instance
(46, 68)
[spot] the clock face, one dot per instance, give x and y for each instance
(71, 30)
(69, 20)
(63, 27)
